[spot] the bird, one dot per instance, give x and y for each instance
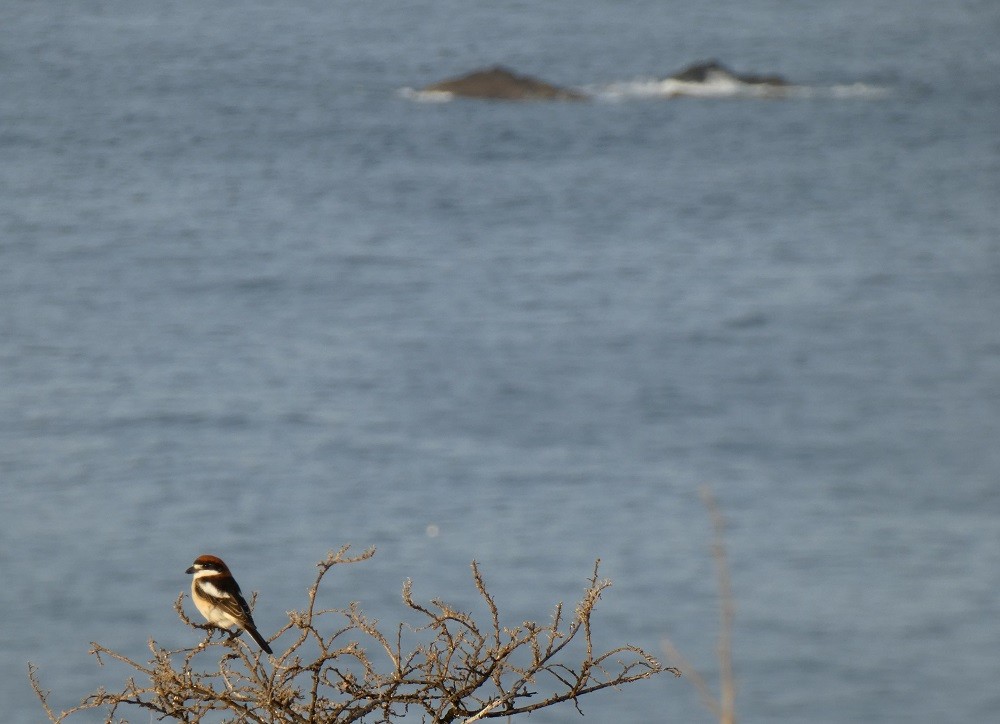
(218, 597)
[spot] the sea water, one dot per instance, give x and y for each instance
(259, 301)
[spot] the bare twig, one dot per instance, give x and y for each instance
(454, 669)
(722, 707)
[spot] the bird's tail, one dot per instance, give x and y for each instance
(255, 635)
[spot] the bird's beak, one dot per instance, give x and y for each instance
(190, 570)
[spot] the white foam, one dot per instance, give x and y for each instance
(426, 96)
(724, 86)
(716, 85)
(857, 90)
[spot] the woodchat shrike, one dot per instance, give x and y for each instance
(218, 597)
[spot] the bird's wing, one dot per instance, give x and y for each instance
(229, 601)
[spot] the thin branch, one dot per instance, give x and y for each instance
(727, 610)
(722, 707)
(451, 667)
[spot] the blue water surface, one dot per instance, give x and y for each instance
(257, 301)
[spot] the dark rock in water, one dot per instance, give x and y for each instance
(500, 83)
(704, 72)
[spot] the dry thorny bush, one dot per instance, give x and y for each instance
(459, 669)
